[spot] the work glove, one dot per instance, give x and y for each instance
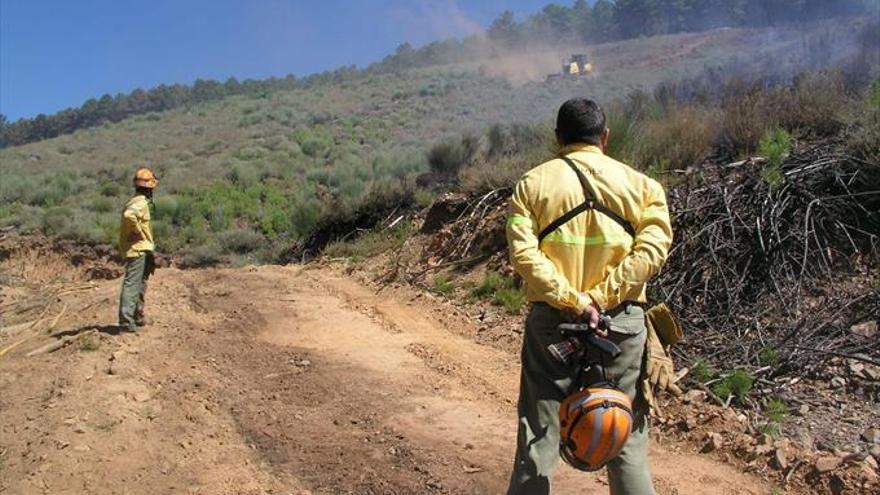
(659, 371)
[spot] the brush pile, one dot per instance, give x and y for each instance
(775, 277)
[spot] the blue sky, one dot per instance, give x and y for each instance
(56, 54)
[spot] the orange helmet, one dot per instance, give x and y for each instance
(144, 177)
(594, 425)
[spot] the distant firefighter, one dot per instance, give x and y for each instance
(136, 247)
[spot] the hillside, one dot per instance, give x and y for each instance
(354, 318)
(268, 167)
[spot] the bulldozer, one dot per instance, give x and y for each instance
(575, 66)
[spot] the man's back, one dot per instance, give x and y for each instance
(591, 246)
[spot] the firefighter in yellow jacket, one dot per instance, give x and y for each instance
(136, 248)
(588, 265)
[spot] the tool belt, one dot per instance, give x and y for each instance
(659, 317)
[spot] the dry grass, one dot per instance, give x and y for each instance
(684, 137)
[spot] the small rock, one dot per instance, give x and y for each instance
(838, 381)
(82, 448)
(871, 435)
(826, 464)
(780, 460)
(142, 396)
(856, 368)
(867, 329)
(304, 363)
(875, 451)
(762, 450)
(80, 428)
(869, 471)
(804, 409)
(694, 395)
(871, 373)
(714, 441)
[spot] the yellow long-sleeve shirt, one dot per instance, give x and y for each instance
(135, 233)
(591, 257)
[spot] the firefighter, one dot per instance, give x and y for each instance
(136, 248)
(581, 259)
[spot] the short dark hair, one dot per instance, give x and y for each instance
(580, 120)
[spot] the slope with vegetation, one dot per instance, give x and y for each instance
(250, 176)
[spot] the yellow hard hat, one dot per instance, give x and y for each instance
(145, 177)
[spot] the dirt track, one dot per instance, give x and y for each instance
(278, 380)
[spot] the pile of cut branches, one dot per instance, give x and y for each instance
(779, 270)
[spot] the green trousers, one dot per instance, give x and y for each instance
(545, 382)
(134, 288)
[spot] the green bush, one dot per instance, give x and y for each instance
(511, 298)
(449, 156)
(769, 356)
(502, 291)
(424, 198)
(104, 205)
(206, 254)
(492, 281)
(370, 244)
(240, 241)
(777, 411)
(442, 285)
(775, 146)
(737, 384)
(702, 371)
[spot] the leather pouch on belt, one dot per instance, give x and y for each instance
(661, 319)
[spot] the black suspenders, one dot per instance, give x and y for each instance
(590, 203)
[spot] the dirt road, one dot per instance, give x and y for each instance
(277, 380)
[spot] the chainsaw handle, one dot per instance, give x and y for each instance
(588, 335)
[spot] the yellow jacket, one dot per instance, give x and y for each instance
(591, 257)
(135, 234)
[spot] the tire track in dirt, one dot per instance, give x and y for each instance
(280, 380)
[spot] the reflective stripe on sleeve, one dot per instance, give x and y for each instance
(654, 213)
(519, 220)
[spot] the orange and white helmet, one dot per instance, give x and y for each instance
(145, 177)
(594, 425)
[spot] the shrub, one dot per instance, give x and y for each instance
(777, 411)
(769, 356)
(623, 136)
(745, 121)
(442, 285)
(737, 384)
(167, 208)
(89, 342)
(370, 244)
(775, 146)
(815, 104)
(492, 281)
(702, 371)
(103, 204)
(451, 155)
(682, 138)
(240, 241)
(423, 198)
(206, 254)
(512, 299)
